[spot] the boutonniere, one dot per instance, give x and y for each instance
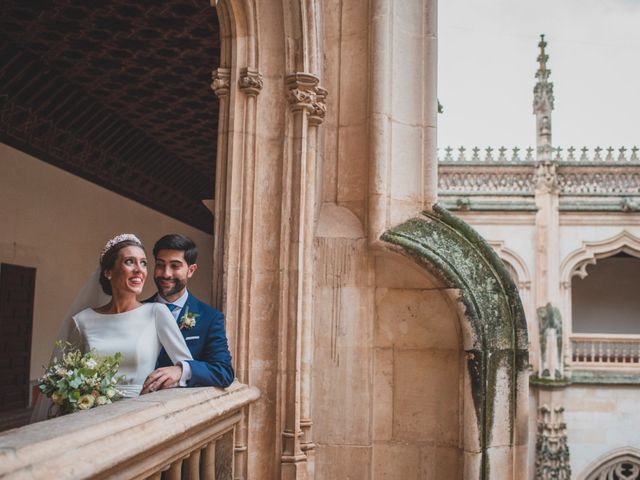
(188, 320)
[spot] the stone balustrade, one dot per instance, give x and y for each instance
(187, 433)
(605, 351)
(572, 155)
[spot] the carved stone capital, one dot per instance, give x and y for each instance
(301, 88)
(319, 106)
(250, 81)
(221, 81)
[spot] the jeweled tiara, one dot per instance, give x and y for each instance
(118, 239)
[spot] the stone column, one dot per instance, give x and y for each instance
(403, 110)
(306, 102)
(547, 293)
(220, 85)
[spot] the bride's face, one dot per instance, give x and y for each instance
(129, 272)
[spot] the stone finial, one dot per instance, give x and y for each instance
(461, 154)
(622, 156)
(543, 90)
(516, 155)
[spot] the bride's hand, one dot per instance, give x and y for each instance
(162, 378)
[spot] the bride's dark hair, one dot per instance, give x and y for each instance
(108, 261)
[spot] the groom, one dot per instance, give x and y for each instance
(201, 325)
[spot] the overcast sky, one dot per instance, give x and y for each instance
(487, 63)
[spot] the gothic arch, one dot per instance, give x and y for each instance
(577, 262)
(619, 464)
(515, 261)
(494, 330)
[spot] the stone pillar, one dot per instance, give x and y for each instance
(220, 85)
(403, 110)
(547, 292)
(547, 288)
(306, 102)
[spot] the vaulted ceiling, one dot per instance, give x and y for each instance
(116, 92)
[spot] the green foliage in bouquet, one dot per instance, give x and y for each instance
(80, 381)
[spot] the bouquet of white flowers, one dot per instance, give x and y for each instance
(80, 381)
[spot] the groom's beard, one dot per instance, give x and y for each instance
(177, 286)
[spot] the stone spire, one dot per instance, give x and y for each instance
(543, 105)
(543, 91)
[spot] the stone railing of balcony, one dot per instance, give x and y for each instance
(187, 433)
(572, 155)
(611, 352)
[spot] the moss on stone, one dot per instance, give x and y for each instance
(454, 252)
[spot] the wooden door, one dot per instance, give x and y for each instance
(17, 287)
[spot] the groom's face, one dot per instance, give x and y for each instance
(172, 273)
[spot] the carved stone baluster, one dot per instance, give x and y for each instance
(593, 353)
(193, 466)
(175, 470)
(209, 461)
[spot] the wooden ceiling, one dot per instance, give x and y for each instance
(116, 92)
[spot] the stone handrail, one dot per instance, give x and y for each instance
(572, 155)
(187, 433)
(606, 351)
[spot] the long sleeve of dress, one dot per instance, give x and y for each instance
(169, 335)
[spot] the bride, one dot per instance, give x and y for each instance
(123, 324)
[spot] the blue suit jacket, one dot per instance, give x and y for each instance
(211, 364)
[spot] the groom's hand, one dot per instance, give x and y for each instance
(161, 378)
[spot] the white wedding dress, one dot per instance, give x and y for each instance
(138, 335)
